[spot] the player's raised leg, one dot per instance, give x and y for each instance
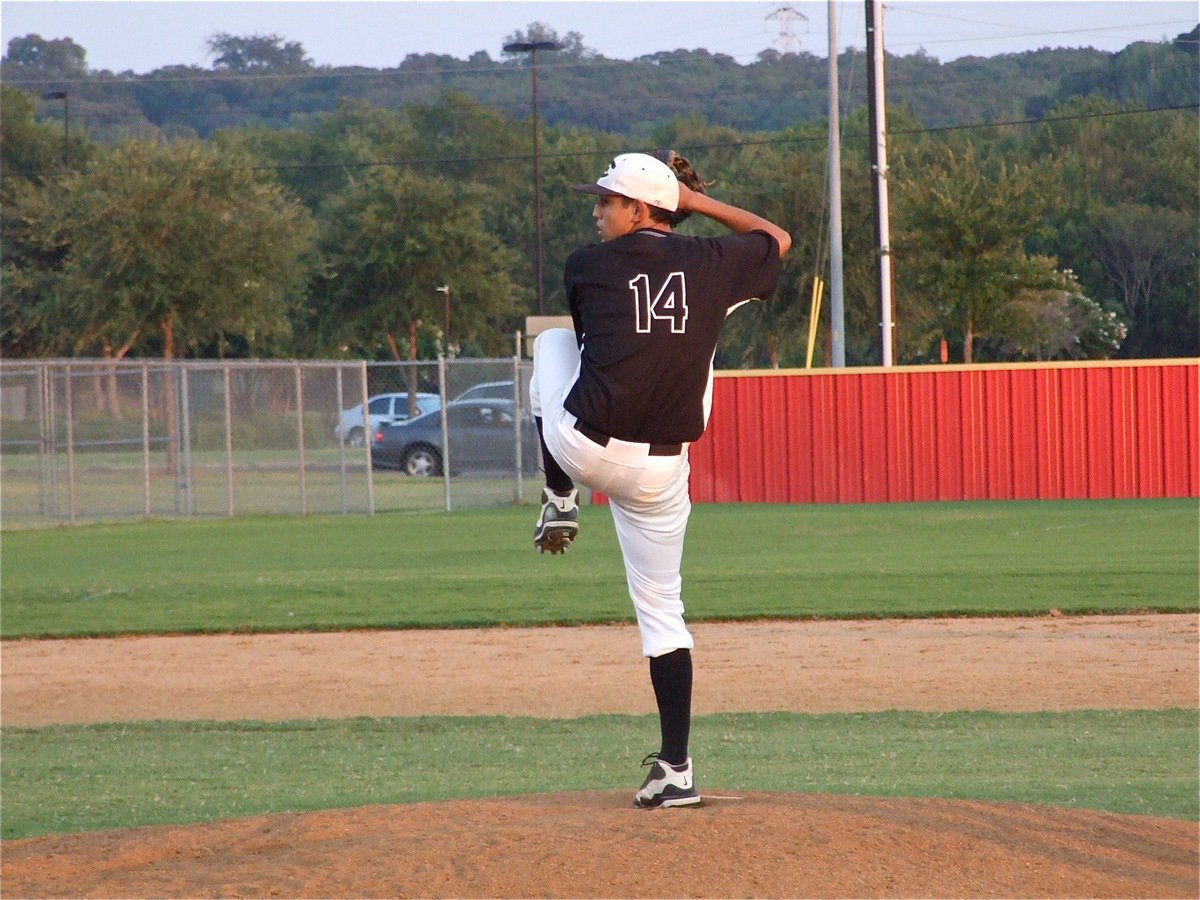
(555, 366)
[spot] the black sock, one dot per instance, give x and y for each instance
(671, 675)
(556, 479)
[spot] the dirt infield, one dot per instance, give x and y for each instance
(594, 845)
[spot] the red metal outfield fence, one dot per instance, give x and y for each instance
(988, 432)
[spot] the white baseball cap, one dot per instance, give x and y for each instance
(638, 176)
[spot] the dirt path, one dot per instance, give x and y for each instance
(1116, 662)
(593, 844)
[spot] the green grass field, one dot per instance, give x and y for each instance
(81, 778)
(478, 569)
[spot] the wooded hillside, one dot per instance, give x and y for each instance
(1044, 204)
(267, 81)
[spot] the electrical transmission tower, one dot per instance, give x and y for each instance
(787, 42)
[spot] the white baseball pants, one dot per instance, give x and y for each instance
(648, 495)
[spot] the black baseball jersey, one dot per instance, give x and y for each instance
(648, 309)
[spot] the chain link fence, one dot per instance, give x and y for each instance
(90, 440)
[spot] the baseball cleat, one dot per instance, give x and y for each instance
(666, 785)
(558, 523)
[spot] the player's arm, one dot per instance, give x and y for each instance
(734, 218)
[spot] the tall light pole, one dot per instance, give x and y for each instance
(532, 47)
(879, 170)
(62, 95)
(837, 306)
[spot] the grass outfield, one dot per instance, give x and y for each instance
(478, 568)
(80, 778)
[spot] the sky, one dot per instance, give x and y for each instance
(120, 35)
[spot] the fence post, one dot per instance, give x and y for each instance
(185, 442)
(145, 440)
(228, 444)
(341, 404)
(52, 438)
(70, 448)
(43, 438)
(367, 440)
(445, 430)
(518, 421)
(300, 437)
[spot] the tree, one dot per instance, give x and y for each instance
(30, 149)
(1057, 322)
(180, 242)
(959, 239)
(315, 164)
(1124, 217)
(389, 242)
(172, 246)
(53, 60)
(1143, 250)
(31, 257)
(1051, 324)
(257, 53)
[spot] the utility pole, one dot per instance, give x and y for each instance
(837, 310)
(879, 170)
(532, 47)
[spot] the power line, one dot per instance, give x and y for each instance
(1046, 32)
(723, 145)
(1045, 121)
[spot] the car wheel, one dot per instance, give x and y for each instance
(355, 437)
(423, 461)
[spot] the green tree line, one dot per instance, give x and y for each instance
(267, 80)
(1065, 228)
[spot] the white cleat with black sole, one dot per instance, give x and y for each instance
(558, 523)
(666, 785)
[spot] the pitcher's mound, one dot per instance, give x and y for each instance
(596, 845)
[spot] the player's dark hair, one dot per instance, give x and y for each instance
(658, 214)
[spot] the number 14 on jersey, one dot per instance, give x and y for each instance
(668, 303)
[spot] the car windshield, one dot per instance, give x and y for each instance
(422, 418)
(501, 390)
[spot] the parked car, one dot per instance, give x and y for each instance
(481, 439)
(488, 390)
(382, 409)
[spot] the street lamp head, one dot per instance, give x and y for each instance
(54, 95)
(526, 46)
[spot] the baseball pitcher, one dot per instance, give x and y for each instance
(618, 400)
